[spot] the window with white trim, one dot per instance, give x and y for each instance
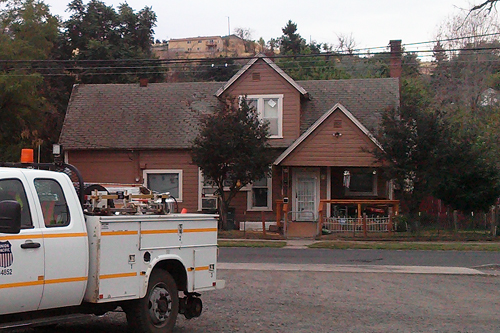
(269, 108)
(163, 181)
(207, 199)
(259, 197)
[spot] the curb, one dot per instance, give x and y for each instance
(437, 270)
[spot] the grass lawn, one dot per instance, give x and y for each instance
(251, 243)
(390, 245)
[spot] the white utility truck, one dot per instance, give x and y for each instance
(59, 259)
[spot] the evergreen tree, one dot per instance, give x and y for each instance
(291, 42)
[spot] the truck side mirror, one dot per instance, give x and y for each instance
(10, 217)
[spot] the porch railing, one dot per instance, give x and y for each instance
(361, 223)
(371, 224)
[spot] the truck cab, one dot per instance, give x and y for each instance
(45, 265)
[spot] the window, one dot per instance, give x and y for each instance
(54, 206)
(270, 108)
(163, 181)
(362, 183)
(189, 42)
(260, 195)
(207, 197)
(13, 189)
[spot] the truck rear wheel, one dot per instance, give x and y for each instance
(157, 311)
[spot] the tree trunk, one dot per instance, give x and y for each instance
(222, 214)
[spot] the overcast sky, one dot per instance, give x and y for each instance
(372, 23)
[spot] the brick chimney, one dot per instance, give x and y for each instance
(143, 82)
(395, 68)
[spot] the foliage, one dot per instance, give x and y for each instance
(291, 42)
(98, 32)
(232, 150)
(468, 180)
(27, 31)
(428, 155)
(410, 137)
(219, 70)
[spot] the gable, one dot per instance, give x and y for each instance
(262, 80)
(261, 59)
(336, 139)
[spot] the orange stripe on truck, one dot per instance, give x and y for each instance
(117, 276)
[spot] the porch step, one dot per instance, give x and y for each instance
(302, 230)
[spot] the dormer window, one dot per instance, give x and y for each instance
(269, 108)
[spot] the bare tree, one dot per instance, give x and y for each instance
(246, 35)
(487, 5)
(346, 44)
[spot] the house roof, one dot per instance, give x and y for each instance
(318, 122)
(366, 99)
(127, 116)
(167, 115)
(272, 65)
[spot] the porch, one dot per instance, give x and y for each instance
(338, 216)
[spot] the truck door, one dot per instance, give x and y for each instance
(21, 255)
(65, 239)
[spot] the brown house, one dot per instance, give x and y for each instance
(142, 133)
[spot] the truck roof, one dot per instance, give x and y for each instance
(21, 171)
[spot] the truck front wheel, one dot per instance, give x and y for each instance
(157, 311)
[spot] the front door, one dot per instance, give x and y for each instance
(306, 194)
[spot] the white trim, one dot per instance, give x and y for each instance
(260, 108)
(157, 171)
(271, 64)
(318, 122)
(269, 198)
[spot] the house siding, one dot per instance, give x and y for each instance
(322, 148)
(271, 83)
(125, 166)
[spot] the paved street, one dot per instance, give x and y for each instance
(316, 291)
(469, 259)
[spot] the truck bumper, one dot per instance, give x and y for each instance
(220, 284)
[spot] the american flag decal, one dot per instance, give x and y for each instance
(6, 257)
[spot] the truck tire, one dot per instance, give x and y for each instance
(157, 311)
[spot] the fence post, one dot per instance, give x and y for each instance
(493, 222)
(320, 219)
(365, 232)
(389, 225)
(279, 208)
(455, 220)
(263, 224)
(285, 219)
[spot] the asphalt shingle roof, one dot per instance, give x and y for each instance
(366, 99)
(161, 115)
(167, 115)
